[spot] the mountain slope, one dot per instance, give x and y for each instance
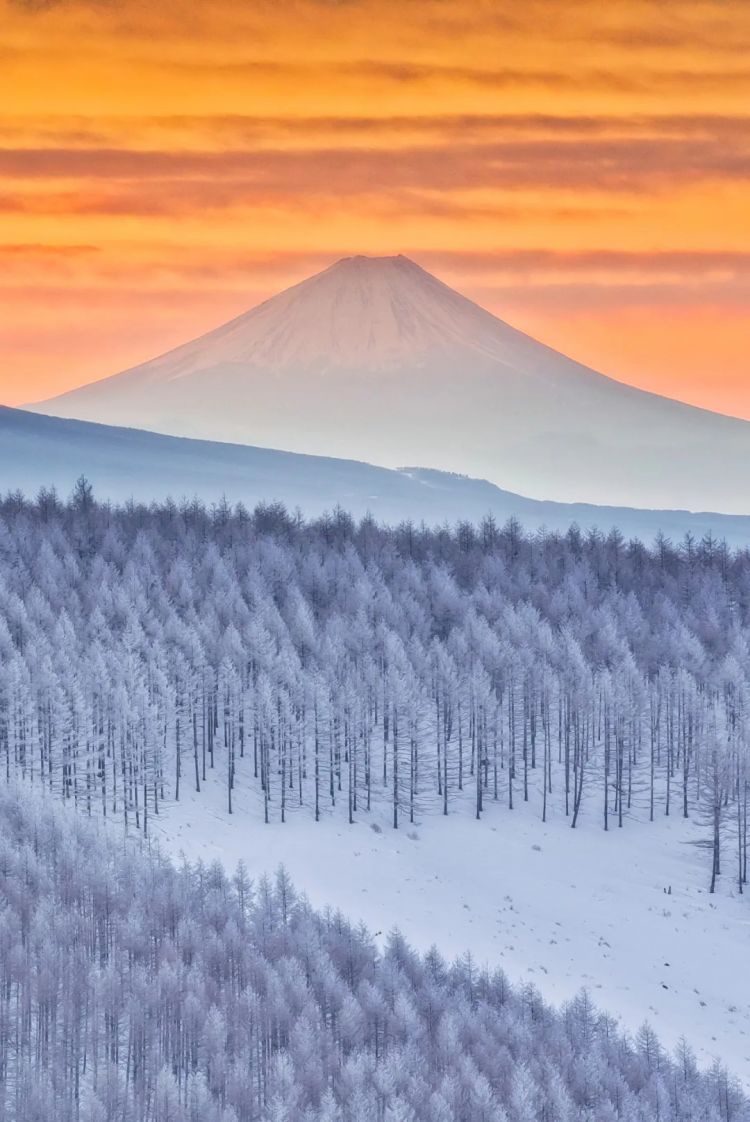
(571, 909)
(38, 451)
(376, 358)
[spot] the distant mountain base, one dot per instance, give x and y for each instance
(38, 451)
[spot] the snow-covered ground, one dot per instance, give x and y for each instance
(560, 908)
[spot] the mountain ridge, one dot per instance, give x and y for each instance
(123, 463)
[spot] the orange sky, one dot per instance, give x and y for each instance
(580, 168)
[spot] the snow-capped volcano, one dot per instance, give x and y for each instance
(377, 359)
(362, 312)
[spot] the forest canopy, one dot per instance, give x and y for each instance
(339, 665)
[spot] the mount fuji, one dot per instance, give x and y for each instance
(378, 360)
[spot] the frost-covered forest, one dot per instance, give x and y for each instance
(327, 666)
(131, 991)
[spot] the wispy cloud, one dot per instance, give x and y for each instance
(386, 131)
(155, 180)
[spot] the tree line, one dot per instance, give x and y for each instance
(328, 666)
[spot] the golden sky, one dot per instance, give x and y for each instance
(581, 168)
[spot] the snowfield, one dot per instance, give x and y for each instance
(560, 908)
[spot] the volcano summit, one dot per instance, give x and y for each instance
(377, 359)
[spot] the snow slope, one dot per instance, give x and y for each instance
(562, 909)
(376, 358)
(38, 451)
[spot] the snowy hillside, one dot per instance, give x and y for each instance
(138, 990)
(376, 358)
(562, 909)
(550, 733)
(38, 451)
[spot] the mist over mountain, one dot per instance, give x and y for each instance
(375, 358)
(123, 464)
